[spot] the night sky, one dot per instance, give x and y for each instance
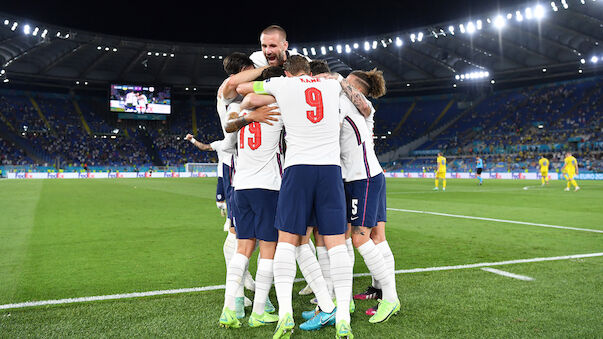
(232, 22)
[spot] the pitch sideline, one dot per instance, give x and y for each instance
(496, 220)
(219, 287)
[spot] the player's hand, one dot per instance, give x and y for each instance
(189, 137)
(263, 114)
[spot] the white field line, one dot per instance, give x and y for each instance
(497, 220)
(507, 274)
(220, 287)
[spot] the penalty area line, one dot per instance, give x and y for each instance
(507, 274)
(221, 287)
(497, 220)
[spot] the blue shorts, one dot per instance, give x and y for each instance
(308, 188)
(254, 214)
(363, 198)
(227, 172)
(220, 190)
(382, 209)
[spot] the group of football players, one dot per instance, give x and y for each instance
(298, 160)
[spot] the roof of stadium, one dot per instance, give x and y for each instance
(524, 42)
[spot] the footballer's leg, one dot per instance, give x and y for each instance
(284, 274)
(234, 278)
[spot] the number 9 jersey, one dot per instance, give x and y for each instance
(260, 156)
(311, 116)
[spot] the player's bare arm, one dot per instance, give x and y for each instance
(198, 144)
(245, 88)
(229, 89)
(355, 96)
(252, 100)
(263, 114)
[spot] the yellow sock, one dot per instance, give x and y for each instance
(437, 183)
(542, 179)
(568, 184)
(444, 183)
(574, 183)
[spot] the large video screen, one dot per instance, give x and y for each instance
(140, 99)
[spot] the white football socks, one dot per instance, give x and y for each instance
(350, 246)
(230, 245)
(312, 247)
(375, 263)
(234, 279)
(312, 273)
(341, 273)
(284, 274)
(325, 267)
(388, 259)
(263, 282)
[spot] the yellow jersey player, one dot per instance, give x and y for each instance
(440, 172)
(569, 170)
(543, 164)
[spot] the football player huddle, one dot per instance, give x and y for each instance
(298, 160)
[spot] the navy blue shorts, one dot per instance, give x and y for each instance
(254, 214)
(382, 209)
(307, 188)
(220, 190)
(363, 198)
(228, 189)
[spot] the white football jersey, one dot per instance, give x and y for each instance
(142, 100)
(217, 146)
(358, 159)
(130, 98)
(259, 59)
(224, 111)
(259, 159)
(310, 113)
(222, 107)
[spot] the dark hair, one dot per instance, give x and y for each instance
(319, 67)
(273, 29)
(235, 62)
(272, 72)
(297, 64)
(373, 82)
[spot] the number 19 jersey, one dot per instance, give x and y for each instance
(311, 116)
(259, 160)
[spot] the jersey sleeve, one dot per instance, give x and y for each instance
(268, 86)
(216, 145)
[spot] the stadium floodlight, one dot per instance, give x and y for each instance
(194, 88)
(367, 46)
(383, 43)
(374, 44)
(594, 59)
(165, 54)
(454, 85)
(172, 55)
(470, 27)
(305, 51)
(398, 41)
(313, 50)
(2, 71)
(488, 20)
(6, 80)
(106, 48)
(413, 37)
(462, 28)
(294, 50)
(99, 48)
(323, 50)
(213, 56)
(486, 74)
(539, 12)
(457, 77)
(355, 45)
(219, 57)
(580, 71)
(582, 61)
(518, 16)
(347, 48)
(35, 31)
(14, 26)
(544, 70)
(451, 29)
(528, 12)
(420, 36)
(330, 48)
(86, 83)
(492, 81)
(148, 53)
(157, 54)
(204, 57)
(499, 22)
(478, 24)
(6, 22)
(67, 36)
(77, 82)
(186, 89)
(338, 48)
(554, 6)
(44, 33)
(564, 3)
(114, 49)
(462, 76)
(509, 16)
(407, 85)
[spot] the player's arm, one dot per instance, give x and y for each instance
(229, 90)
(576, 165)
(355, 96)
(200, 145)
(263, 114)
(252, 100)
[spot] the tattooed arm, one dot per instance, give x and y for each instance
(356, 97)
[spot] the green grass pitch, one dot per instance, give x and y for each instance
(77, 238)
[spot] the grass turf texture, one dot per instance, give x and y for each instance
(76, 238)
